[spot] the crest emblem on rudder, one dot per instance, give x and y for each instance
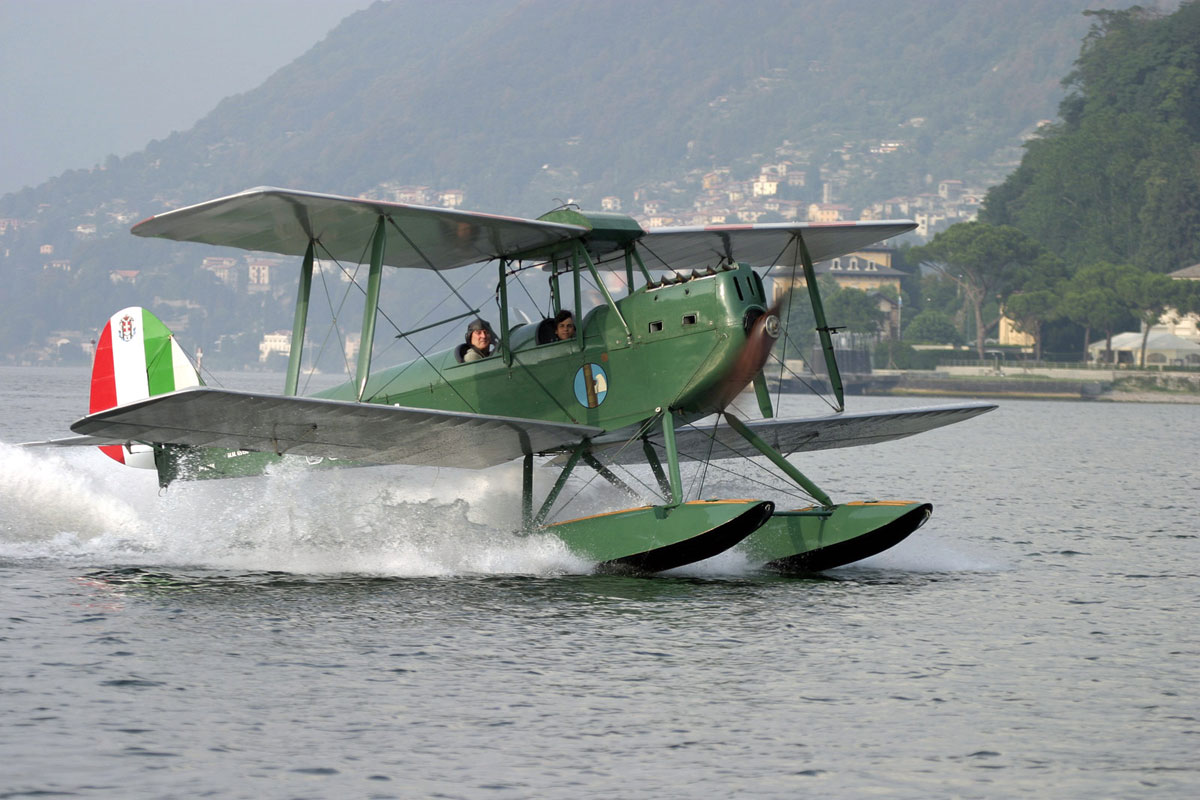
(127, 328)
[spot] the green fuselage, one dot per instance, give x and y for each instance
(683, 337)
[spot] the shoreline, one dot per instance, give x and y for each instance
(1150, 397)
(1042, 384)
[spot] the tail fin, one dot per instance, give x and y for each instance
(137, 357)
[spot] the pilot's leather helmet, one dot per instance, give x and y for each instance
(478, 325)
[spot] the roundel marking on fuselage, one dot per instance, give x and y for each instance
(591, 385)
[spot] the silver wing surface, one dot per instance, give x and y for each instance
(766, 245)
(377, 434)
(800, 435)
(74, 441)
(284, 220)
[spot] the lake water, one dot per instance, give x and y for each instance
(379, 633)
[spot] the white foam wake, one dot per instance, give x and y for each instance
(378, 521)
(391, 521)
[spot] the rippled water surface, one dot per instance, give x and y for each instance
(380, 633)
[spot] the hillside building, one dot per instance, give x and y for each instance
(827, 212)
(129, 276)
(1008, 335)
(1186, 326)
(275, 342)
(223, 268)
(260, 270)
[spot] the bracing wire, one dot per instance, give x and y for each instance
(429, 263)
(645, 426)
(784, 367)
(353, 282)
(786, 327)
(514, 273)
(787, 489)
(336, 313)
(425, 358)
(708, 456)
(333, 329)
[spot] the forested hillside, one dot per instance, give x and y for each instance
(1117, 177)
(1075, 242)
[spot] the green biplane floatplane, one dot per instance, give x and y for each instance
(626, 389)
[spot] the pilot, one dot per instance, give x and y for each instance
(564, 325)
(480, 341)
(559, 328)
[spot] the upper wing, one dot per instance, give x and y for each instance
(283, 221)
(760, 245)
(309, 426)
(815, 433)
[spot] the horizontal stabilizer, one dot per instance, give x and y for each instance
(801, 435)
(378, 434)
(76, 441)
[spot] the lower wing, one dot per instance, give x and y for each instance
(798, 435)
(378, 434)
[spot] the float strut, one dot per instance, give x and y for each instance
(778, 459)
(656, 467)
(527, 492)
(668, 426)
(606, 473)
(558, 484)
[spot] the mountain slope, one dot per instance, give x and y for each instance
(481, 95)
(518, 103)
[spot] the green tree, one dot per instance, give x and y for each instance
(854, 310)
(932, 327)
(1090, 299)
(1036, 303)
(1187, 297)
(984, 260)
(1147, 295)
(1029, 311)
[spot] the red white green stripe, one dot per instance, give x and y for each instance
(137, 357)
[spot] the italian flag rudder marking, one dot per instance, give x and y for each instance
(137, 357)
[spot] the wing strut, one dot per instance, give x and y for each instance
(578, 297)
(370, 310)
(300, 320)
(823, 329)
(632, 250)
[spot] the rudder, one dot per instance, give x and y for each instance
(137, 357)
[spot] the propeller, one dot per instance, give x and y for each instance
(763, 328)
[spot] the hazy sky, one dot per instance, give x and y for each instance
(83, 79)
